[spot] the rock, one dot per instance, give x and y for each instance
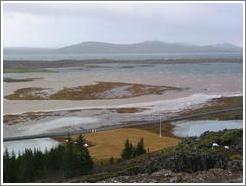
(235, 165)
(167, 176)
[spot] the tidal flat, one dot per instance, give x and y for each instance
(210, 78)
(112, 94)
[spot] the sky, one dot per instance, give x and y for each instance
(52, 25)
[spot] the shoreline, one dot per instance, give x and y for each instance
(150, 127)
(95, 118)
(124, 105)
(78, 63)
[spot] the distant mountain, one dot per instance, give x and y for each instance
(146, 47)
(26, 50)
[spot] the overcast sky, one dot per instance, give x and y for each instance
(57, 25)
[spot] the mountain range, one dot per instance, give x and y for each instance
(139, 48)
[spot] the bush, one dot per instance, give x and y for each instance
(236, 157)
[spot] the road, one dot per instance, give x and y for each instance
(82, 131)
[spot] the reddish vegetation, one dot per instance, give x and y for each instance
(89, 92)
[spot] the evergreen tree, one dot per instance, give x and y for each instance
(12, 166)
(81, 140)
(26, 168)
(132, 151)
(69, 164)
(6, 167)
(68, 160)
(111, 160)
(140, 148)
(127, 151)
(85, 162)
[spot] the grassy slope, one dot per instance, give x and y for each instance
(188, 148)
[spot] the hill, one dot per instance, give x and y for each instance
(193, 160)
(146, 47)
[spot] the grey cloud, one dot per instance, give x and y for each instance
(196, 23)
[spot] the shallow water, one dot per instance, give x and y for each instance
(50, 124)
(18, 147)
(196, 128)
(60, 123)
(209, 78)
(122, 56)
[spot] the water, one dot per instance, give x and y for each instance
(162, 69)
(49, 125)
(123, 56)
(18, 147)
(196, 128)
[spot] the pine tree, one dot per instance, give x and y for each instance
(69, 163)
(69, 160)
(111, 160)
(26, 167)
(85, 162)
(127, 151)
(81, 140)
(133, 153)
(6, 167)
(140, 148)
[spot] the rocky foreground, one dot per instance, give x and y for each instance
(193, 160)
(213, 157)
(167, 176)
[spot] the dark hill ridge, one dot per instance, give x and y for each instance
(146, 47)
(139, 48)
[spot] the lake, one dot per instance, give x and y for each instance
(122, 56)
(196, 128)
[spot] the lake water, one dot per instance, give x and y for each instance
(208, 78)
(52, 124)
(162, 69)
(196, 128)
(18, 147)
(200, 83)
(123, 56)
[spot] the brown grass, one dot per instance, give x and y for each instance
(85, 92)
(31, 93)
(88, 92)
(128, 110)
(107, 144)
(218, 104)
(12, 119)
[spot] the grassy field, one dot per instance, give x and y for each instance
(110, 143)
(107, 144)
